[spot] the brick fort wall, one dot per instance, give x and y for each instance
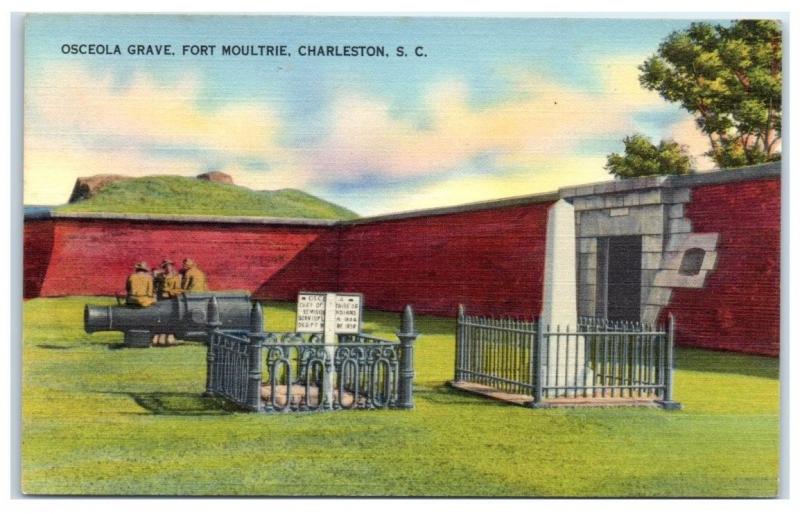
(738, 307)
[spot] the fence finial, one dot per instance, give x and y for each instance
(407, 325)
(212, 316)
(256, 318)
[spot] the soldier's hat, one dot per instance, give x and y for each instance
(141, 266)
(188, 262)
(166, 261)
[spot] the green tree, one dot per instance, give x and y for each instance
(643, 158)
(728, 77)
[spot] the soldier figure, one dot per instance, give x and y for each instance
(139, 287)
(193, 278)
(170, 280)
(158, 282)
(168, 286)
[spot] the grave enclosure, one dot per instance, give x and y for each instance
(326, 364)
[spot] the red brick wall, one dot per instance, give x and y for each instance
(739, 306)
(95, 256)
(490, 260)
(37, 247)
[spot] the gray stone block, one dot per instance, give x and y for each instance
(676, 210)
(672, 260)
(652, 219)
(659, 296)
(585, 308)
(680, 195)
(580, 203)
(613, 201)
(587, 276)
(630, 199)
(652, 243)
(604, 187)
(680, 226)
(587, 292)
(566, 192)
(651, 260)
(626, 185)
(587, 244)
(650, 196)
(648, 277)
(587, 261)
(671, 278)
(650, 313)
(710, 261)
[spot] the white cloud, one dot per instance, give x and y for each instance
(79, 124)
(686, 133)
(535, 139)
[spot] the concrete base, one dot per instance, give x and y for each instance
(138, 338)
(524, 400)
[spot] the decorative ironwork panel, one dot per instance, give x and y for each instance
(304, 374)
(291, 371)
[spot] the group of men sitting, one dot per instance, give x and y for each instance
(145, 287)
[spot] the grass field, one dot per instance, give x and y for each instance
(100, 420)
(165, 194)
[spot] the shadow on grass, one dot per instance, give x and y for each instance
(157, 347)
(731, 363)
(47, 346)
(182, 404)
(443, 394)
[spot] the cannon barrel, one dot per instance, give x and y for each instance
(185, 316)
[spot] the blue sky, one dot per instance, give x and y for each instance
(498, 107)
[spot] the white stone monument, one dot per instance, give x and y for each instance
(565, 365)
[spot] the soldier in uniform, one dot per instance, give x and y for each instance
(193, 278)
(139, 287)
(170, 280)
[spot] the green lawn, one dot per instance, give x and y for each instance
(109, 421)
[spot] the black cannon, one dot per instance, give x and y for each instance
(185, 316)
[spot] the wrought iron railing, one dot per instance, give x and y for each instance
(597, 359)
(281, 372)
(496, 353)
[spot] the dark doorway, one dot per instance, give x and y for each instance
(619, 274)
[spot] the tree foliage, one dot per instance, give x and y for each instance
(730, 78)
(642, 158)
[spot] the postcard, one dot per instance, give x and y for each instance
(401, 256)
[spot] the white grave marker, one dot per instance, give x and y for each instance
(331, 314)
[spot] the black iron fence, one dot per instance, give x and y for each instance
(596, 359)
(279, 372)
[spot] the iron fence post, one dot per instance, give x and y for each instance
(212, 323)
(460, 343)
(668, 402)
(254, 356)
(407, 336)
(536, 363)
